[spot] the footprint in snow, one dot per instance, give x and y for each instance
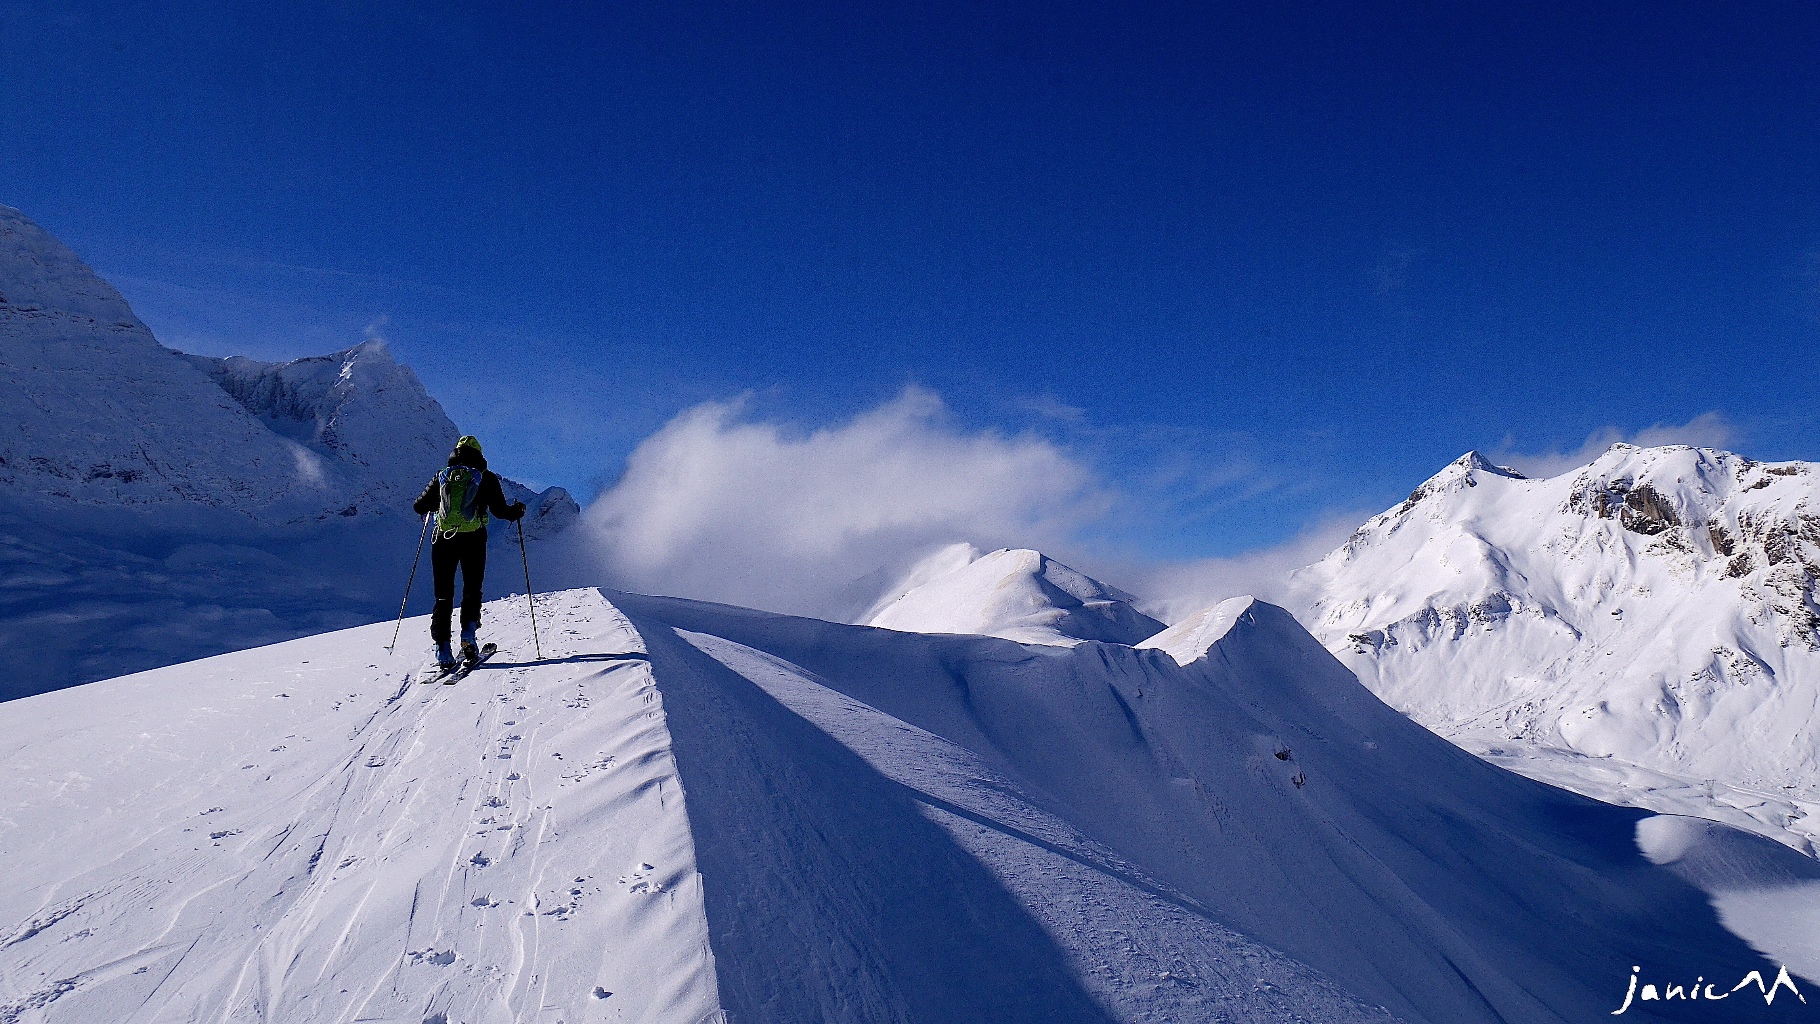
(640, 882)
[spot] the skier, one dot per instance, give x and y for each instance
(462, 494)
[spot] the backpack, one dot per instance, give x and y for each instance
(461, 510)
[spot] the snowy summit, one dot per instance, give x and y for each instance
(1645, 624)
(1014, 593)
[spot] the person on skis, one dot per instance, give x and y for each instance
(462, 494)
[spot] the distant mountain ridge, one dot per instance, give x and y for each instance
(164, 506)
(100, 417)
(1659, 607)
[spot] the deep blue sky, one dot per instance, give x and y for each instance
(1311, 251)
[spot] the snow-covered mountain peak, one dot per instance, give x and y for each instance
(40, 277)
(366, 416)
(1464, 472)
(103, 419)
(1189, 640)
(1016, 593)
(1474, 462)
(1632, 608)
(169, 506)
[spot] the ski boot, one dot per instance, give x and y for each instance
(470, 646)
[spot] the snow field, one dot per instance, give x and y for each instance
(303, 833)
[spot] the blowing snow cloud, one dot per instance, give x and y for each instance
(719, 507)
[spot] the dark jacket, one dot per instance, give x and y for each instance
(492, 497)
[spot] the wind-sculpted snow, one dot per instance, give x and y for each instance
(1645, 628)
(688, 812)
(1013, 593)
(1227, 826)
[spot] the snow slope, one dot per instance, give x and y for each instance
(1013, 593)
(1645, 628)
(686, 811)
(160, 507)
(302, 833)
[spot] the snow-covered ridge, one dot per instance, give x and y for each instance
(1657, 607)
(41, 278)
(1014, 593)
(1189, 640)
(684, 811)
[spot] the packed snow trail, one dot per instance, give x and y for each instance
(301, 833)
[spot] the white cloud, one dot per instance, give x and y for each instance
(1170, 591)
(1707, 430)
(718, 507)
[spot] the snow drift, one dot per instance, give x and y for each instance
(695, 812)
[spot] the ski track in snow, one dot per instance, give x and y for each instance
(303, 833)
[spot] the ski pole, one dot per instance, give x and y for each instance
(528, 599)
(425, 532)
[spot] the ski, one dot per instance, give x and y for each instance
(451, 676)
(466, 666)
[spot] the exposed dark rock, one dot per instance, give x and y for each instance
(1721, 539)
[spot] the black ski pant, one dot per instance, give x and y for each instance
(468, 552)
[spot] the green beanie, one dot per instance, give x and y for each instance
(468, 441)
